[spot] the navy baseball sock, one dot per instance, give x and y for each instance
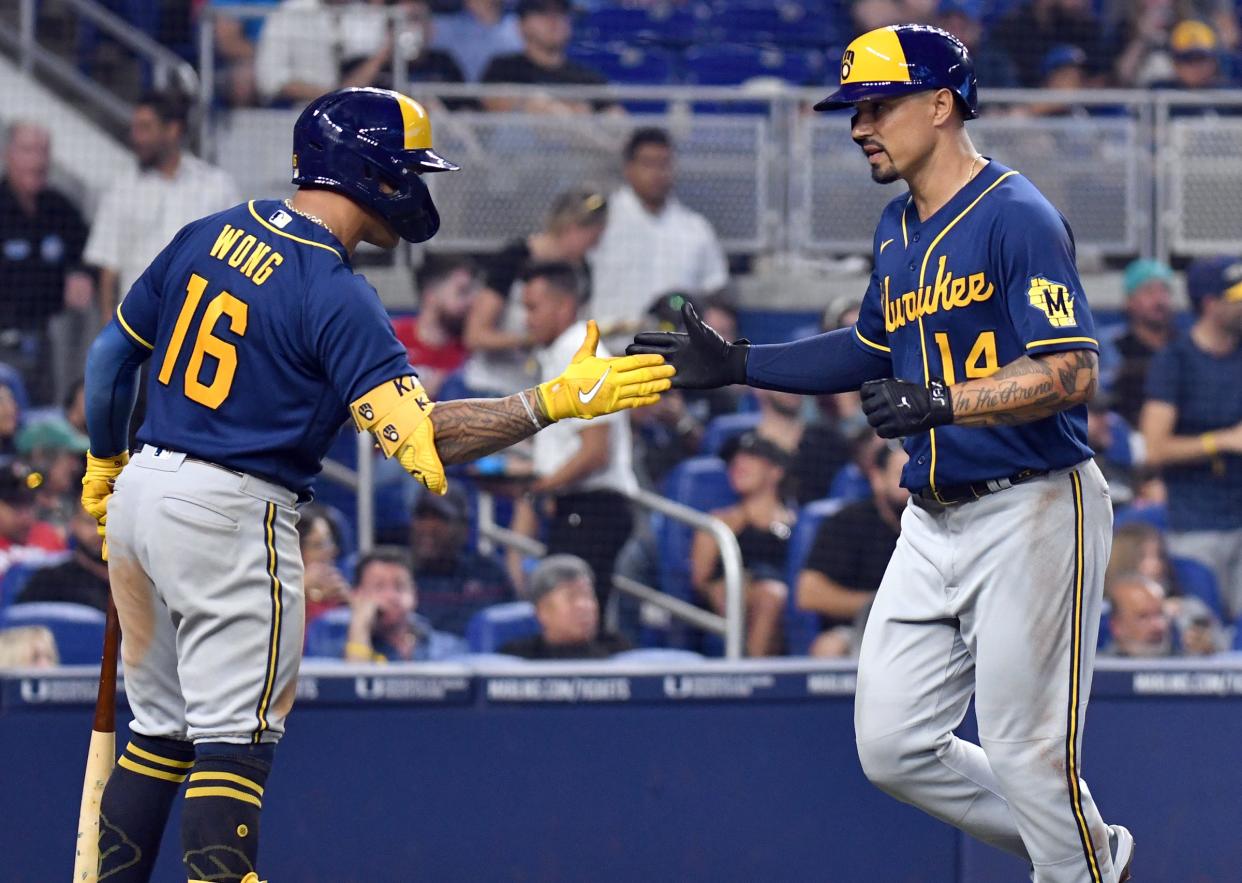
(135, 806)
(220, 818)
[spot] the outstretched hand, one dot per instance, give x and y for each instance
(703, 359)
(593, 386)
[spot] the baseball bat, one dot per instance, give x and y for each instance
(100, 758)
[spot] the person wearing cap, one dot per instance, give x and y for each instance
(1037, 26)
(83, 579)
(1195, 51)
(583, 472)
(653, 243)
(851, 550)
(454, 581)
(478, 33)
(762, 524)
(964, 20)
(1125, 358)
(23, 537)
(546, 29)
(58, 451)
(1192, 426)
(494, 333)
(562, 588)
(384, 625)
(1063, 67)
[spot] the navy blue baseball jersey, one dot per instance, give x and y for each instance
(988, 278)
(260, 335)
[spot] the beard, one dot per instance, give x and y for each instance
(884, 174)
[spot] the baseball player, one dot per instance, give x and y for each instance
(262, 342)
(976, 345)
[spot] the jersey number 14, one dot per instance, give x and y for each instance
(980, 361)
(213, 394)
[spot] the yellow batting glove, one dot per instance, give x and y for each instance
(419, 457)
(97, 484)
(593, 386)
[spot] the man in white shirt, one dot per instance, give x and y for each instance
(582, 469)
(143, 211)
(653, 244)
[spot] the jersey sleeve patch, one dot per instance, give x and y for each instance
(1054, 299)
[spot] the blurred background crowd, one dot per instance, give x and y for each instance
(534, 552)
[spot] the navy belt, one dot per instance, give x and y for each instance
(965, 493)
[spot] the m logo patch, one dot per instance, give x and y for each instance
(1054, 300)
(847, 64)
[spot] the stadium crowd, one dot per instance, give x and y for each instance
(810, 492)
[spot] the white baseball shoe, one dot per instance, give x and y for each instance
(1121, 845)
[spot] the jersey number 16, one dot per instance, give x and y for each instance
(213, 394)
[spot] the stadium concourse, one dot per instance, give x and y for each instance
(621, 159)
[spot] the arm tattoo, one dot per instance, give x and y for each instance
(472, 428)
(1027, 389)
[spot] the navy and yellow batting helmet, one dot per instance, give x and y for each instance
(901, 59)
(372, 145)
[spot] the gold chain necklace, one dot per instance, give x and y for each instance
(971, 175)
(308, 216)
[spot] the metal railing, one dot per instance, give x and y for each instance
(732, 626)
(167, 68)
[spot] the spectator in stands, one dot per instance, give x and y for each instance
(22, 536)
(583, 470)
(1144, 38)
(1036, 26)
(851, 550)
(10, 420)
(964, 20)
(762, 524)
(83, 579)
(433, 341)
(454, 582)
(1064, 67)
(780, 418)
(653, 244)
(562, 588)
(1196, 53)
(325, 586)
(867, 15)
(142, 212)
(495, 333)
(28, 646)
(235, 41)
(1102, 438)
(1192, 425)
(478, 33)
(306, 45)
(58, 452)
(1148, 329)
(546, 29)
(383, 625)
(1137, 623)
(410, 33)
(74, 406)
(41, 239)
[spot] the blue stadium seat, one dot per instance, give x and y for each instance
(627, 63)
(1120, 451)
(700, 483)
(850, 484)
(493, 627)
(781, 22)
(801, 626)
(732, 64)
(392, 485)
(665, 24)
(453, 388)
(79, 630)
(325, 634)
(720, 430)
(12, 378)
(1197, 579)
(18, 574)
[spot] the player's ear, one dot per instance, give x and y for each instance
(944, 107)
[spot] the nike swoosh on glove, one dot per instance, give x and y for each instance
(593, 386)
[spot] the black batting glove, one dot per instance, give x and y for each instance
(703, 359)
(898, 408)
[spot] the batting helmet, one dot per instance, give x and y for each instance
(901, 59)
(354, 141)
